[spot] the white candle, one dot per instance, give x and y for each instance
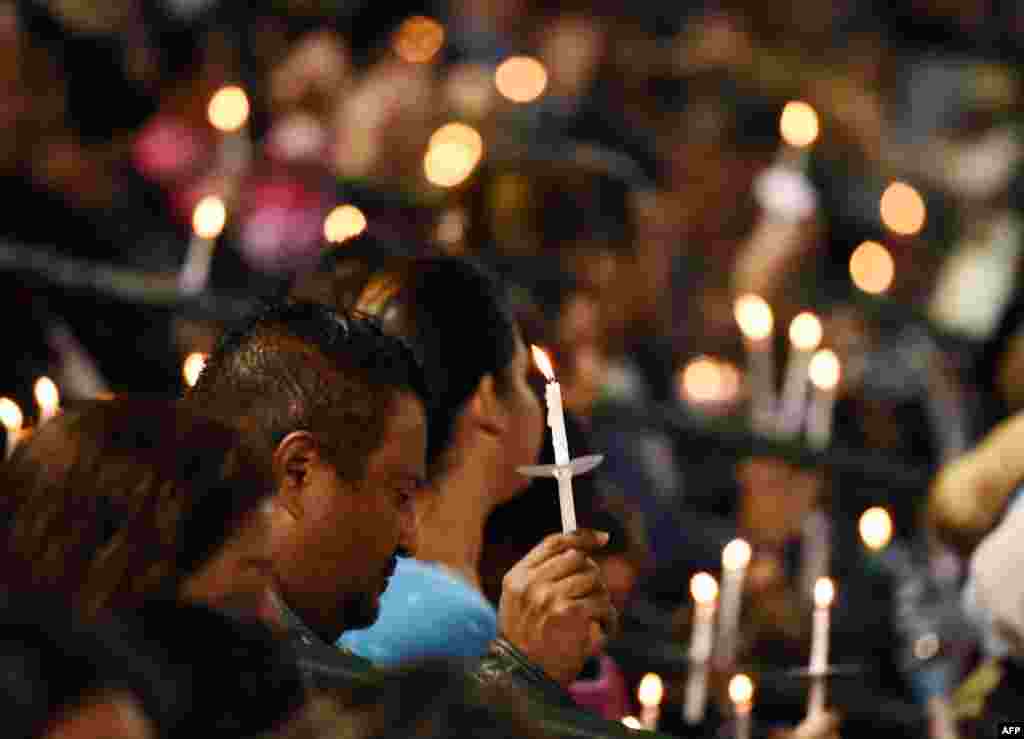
(754, 317)
(824, 593)
(804, 336)
(741, 693)
(816, 551)
(824, 371)
(735, 558)
(650, 693)
(556, 421)
(704, 590)
(208, 220)
(228, 112)
(12, 419)
(47, 398)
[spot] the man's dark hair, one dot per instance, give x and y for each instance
(301, 366)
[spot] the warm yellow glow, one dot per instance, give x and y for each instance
(805, 332)
(736, 555)
(651, 691)
(872, 268)
(703, 588)
(418, 39)
(824, 370)
(343, 223)
(824, 592)
(702, 380)
(452, 154)
(799, 124)
(875, 528)
(754, 317)
(903, 209)
(521, 79)
(741, 689)
(11, 416)
(543, 362)
(209, 217)
(229, 109)
(193, 365)
(47, 397)
(632, 722)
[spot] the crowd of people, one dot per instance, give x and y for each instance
(362, 218)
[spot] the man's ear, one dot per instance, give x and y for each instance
(487, 410)
(293, 461)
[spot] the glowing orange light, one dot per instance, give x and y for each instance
(736, 555)
(228, 110)
(754, 317)
(47, 397)
(805, 332)
(903, 209)
(11, 416)
(824, 370)
(651, 690)
(799, 124)
(209, 217)
(192, 367)
(872, 268)
(632, 722)
(702, 380)
(418, 39)
(741, 689)
(452, 154)
(703, 588)
(343, 223)
(824, 592)
(875, 528)
(521, 79)
(543, 362)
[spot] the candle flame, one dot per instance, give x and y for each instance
(736, 555)
(209, 217)
(632, 722)
(875, 528)
(741, 689)
(343, 223)
(872, 268)
(452, 154)
(799, 124)
(754, 316)
(193, 366)
(418, 39)
(540, 358)
(824, 592)
(228, 110)
(805, 332)
(902, 208)
(824, 370)
(651, 691)
(10, 415)
(703, 588)
(47, 396)
(521, 79)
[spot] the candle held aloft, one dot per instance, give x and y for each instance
(825, 373)
(824, 594)
(704, 590)
(650, 694)
(735, 559)
(13, 420)
(754, 318)
(47, 398)
(741, 693)
(559, 439)
(805, 334)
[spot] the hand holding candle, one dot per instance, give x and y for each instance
(824, 593)
(12, 419)
(735, 559)
(741, 693)
(650, 694)
(704, 590)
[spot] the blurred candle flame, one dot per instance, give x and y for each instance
(805, 332)
(872, 268)
(703, 588)
(228, 110)
(824, 370)
(192, 367)
(343, 223)
(11, 416)
(418, 39)
(824, 592)
(543, 362)
(209, 217)
(632, 722)
(902, 208)
(453, 153)
(521, 79)
(736, 555)
(47, 397)
(651, 690)
(799, 124)
(754, 317)
(741, 689)
(875, 528)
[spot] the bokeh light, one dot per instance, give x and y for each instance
(228, 110)
(872, 268)
(741, 689)
(703, 588)
(192, 367)
(736, 555)
(521, 79)
(824, 592)
(209, 217)
(902, 208)
(343, 223)
(805, 332)
(824, 370)
(754, 317)
(418, 39)
(875, 528)
(799, 124)
(452, 154)
(651, 690)
(11, 416)
(47, 396)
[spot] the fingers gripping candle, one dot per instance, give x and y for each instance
(559, 439)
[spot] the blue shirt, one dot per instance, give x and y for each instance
(426, 611)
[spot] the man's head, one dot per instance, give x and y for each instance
(340, 409)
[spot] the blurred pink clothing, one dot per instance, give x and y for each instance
(607, 695)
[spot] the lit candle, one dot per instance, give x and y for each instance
(875, 528)
(704, 590)
(741, 693)
(47, 398)
(556, 421)
(208, 221)
(799, 128)
(754, 317)
(824, 593)
(804, 336)
(816, 551)
(12, 419)
(650, 693)
(735, 558)
(824, 371)
(228, 112)
(192, 367)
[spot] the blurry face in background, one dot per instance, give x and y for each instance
(239, 578)
(116, 716)
(775, 497)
